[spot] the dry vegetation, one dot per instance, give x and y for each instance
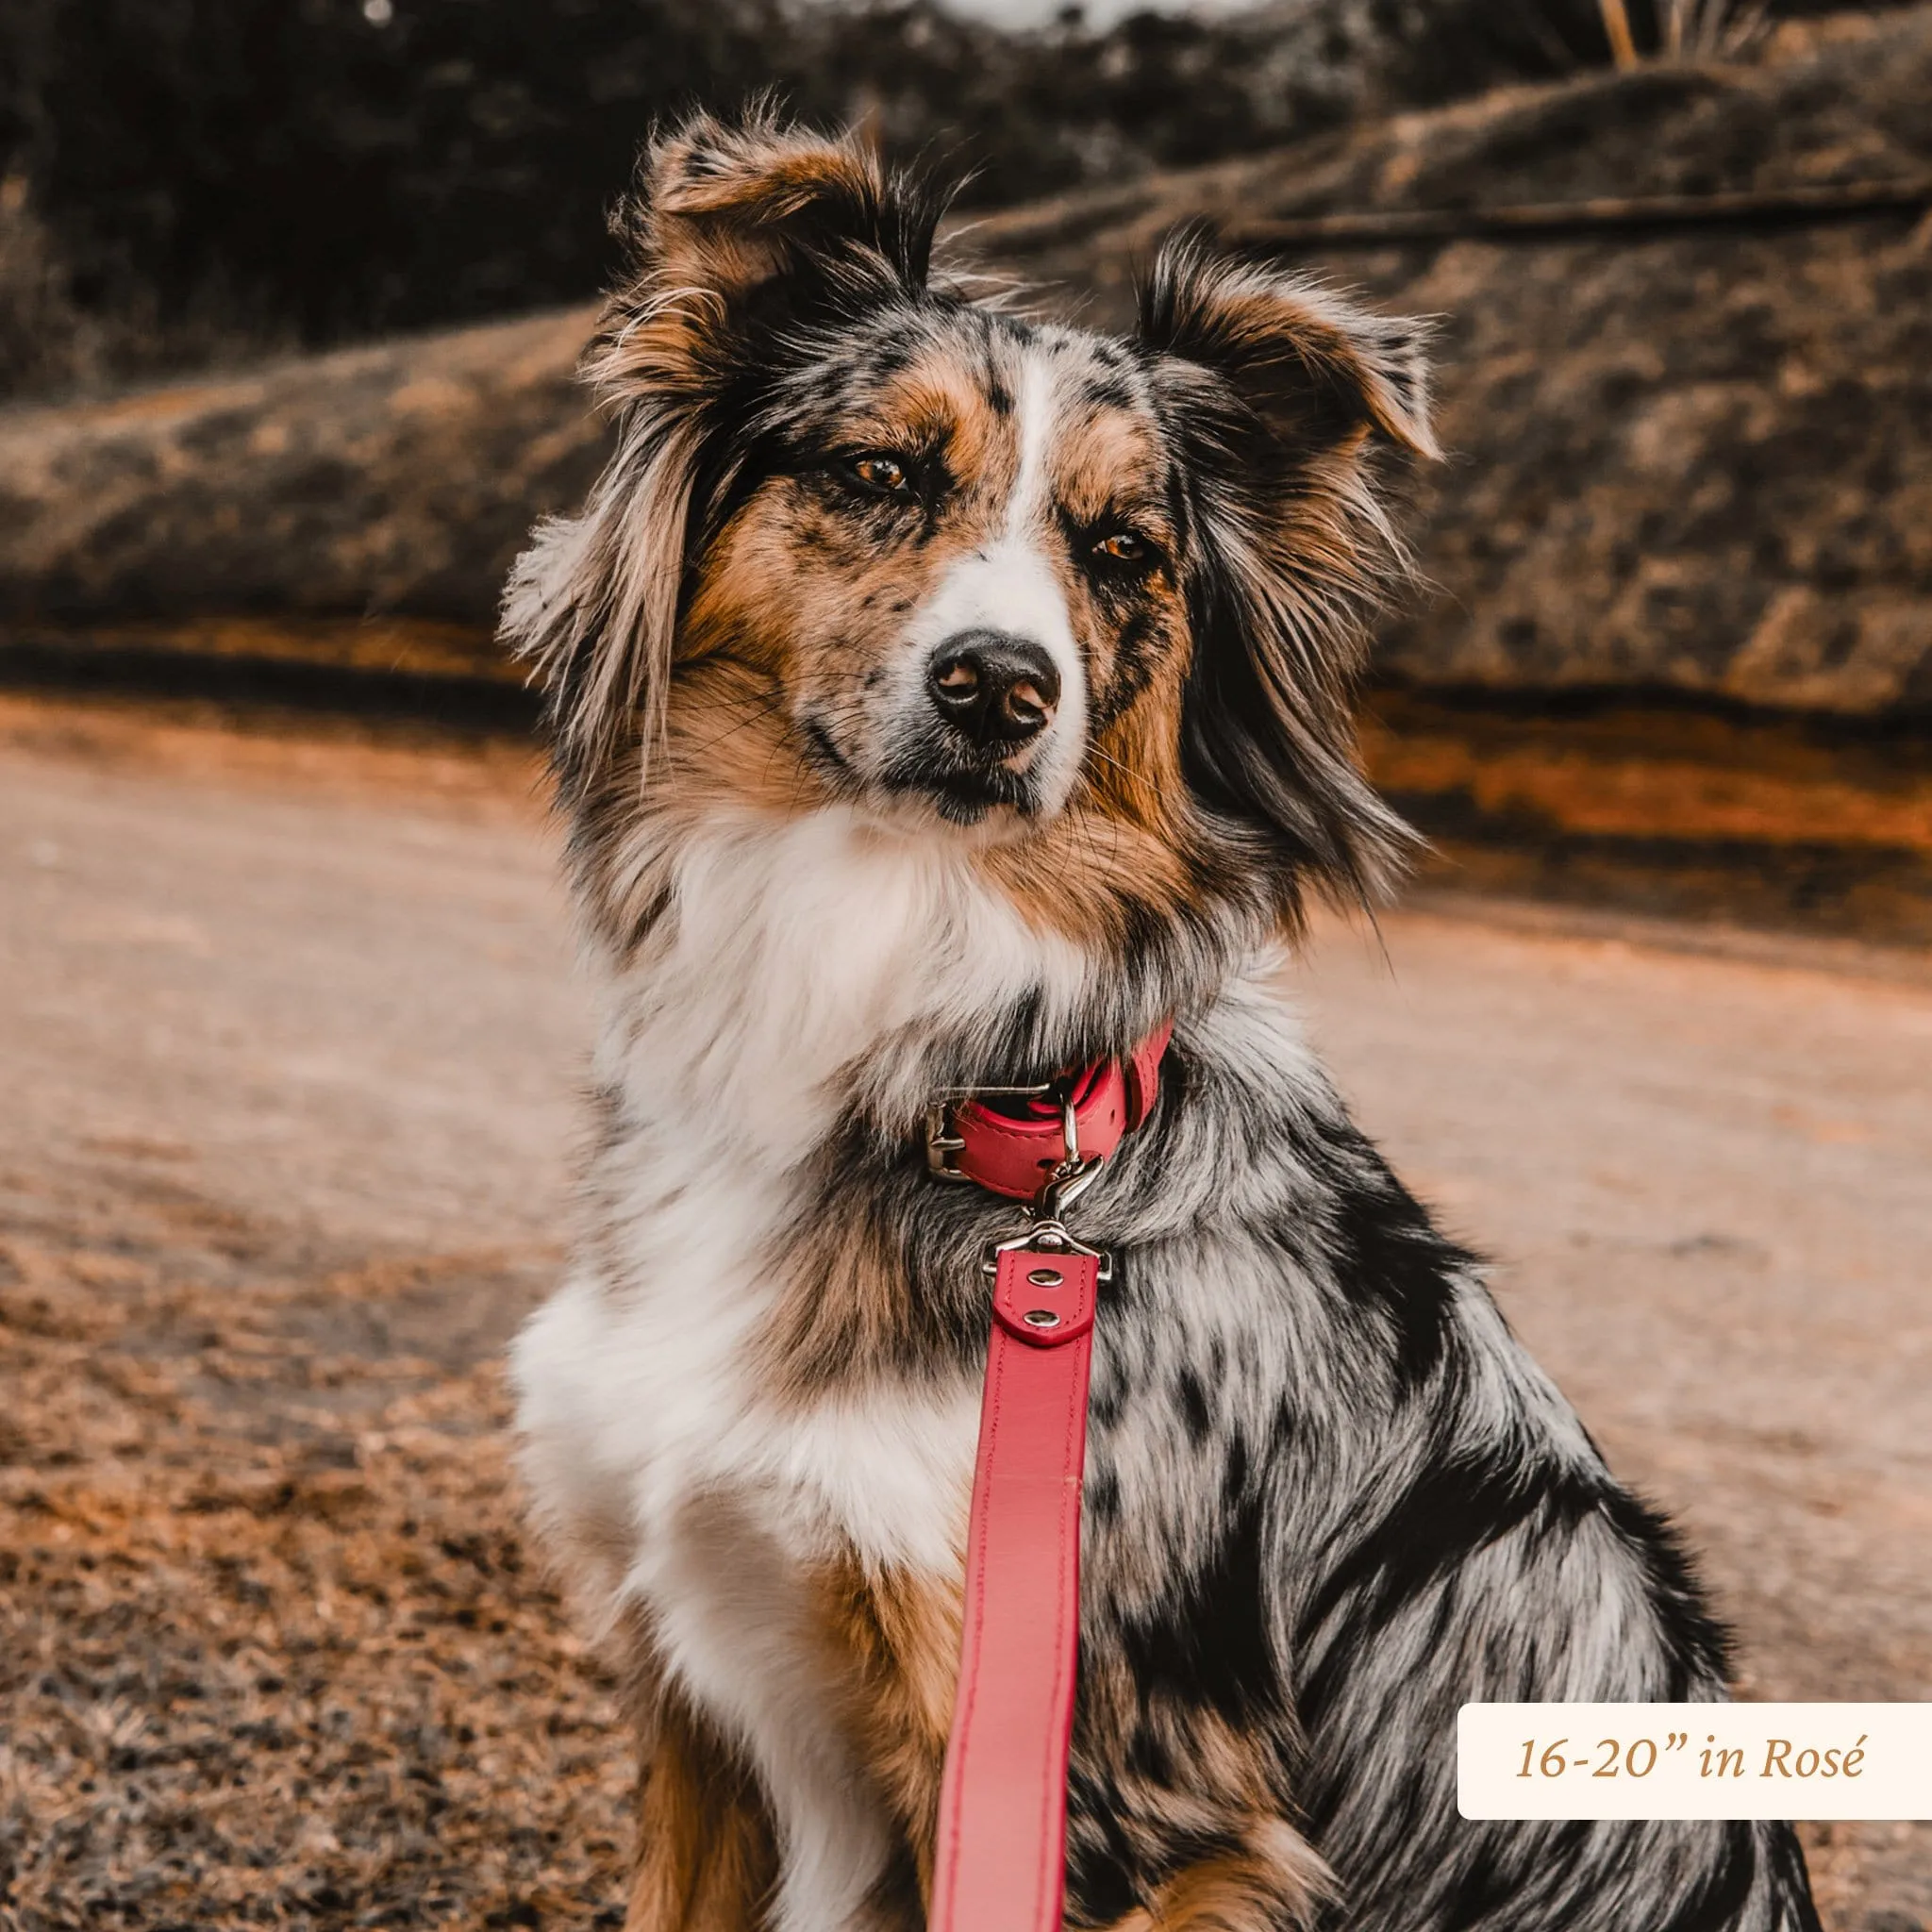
(447, 159)
(272, 1650)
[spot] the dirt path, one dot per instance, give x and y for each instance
(288, 1038)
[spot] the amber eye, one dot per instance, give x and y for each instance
(884, 474)
(1123, 546)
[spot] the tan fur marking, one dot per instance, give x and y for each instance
(706, 1858)
(941, 400)
(1109, 463)
(901, 1635)
(1251, 1890)
(848, 1307)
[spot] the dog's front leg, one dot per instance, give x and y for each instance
(707, 1859)
(898, 1635)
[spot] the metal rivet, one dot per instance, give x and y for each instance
(1046, 1277)
(1040, 1318)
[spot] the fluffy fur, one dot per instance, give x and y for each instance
(1328, 1497)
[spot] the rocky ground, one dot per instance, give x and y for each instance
(289, 1037)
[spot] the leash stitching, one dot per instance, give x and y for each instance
(1075, 1399)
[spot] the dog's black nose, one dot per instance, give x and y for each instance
(997, 689)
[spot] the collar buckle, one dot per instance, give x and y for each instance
(943, 1140)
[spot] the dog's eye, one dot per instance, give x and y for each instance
(1123, 546)
(888, 474)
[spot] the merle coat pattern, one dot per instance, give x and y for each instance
(1329, 1498)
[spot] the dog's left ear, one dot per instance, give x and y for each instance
(1280, 394)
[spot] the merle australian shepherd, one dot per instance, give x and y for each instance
(943, 699)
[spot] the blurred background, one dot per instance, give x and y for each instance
(290, 297)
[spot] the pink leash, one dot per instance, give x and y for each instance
(1001, 1856)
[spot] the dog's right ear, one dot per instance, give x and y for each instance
(735, 230)
(738, 238)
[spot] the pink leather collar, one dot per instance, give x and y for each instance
(1011, 1140)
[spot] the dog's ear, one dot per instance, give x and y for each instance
(733, 230)
(1280, 392)
(1318, 372)
(739, 239)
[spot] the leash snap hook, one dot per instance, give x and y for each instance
(1072, 1175)
(1061, 1189)
(1049, 1241)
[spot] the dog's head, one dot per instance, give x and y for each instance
(1090, 607)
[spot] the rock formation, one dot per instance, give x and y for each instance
(1686, 382)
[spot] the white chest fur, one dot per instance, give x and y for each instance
(650, 1443)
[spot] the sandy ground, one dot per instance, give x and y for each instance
(288, 1039)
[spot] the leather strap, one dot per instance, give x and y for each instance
(1000, 1862)
(1011, 1151)
(1001, 1855)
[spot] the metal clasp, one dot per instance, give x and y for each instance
(1070, 1178)
(1048, 1234)
(1045, 1238)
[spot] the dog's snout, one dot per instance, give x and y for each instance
(997, 689)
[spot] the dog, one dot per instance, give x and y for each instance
(938, 699)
